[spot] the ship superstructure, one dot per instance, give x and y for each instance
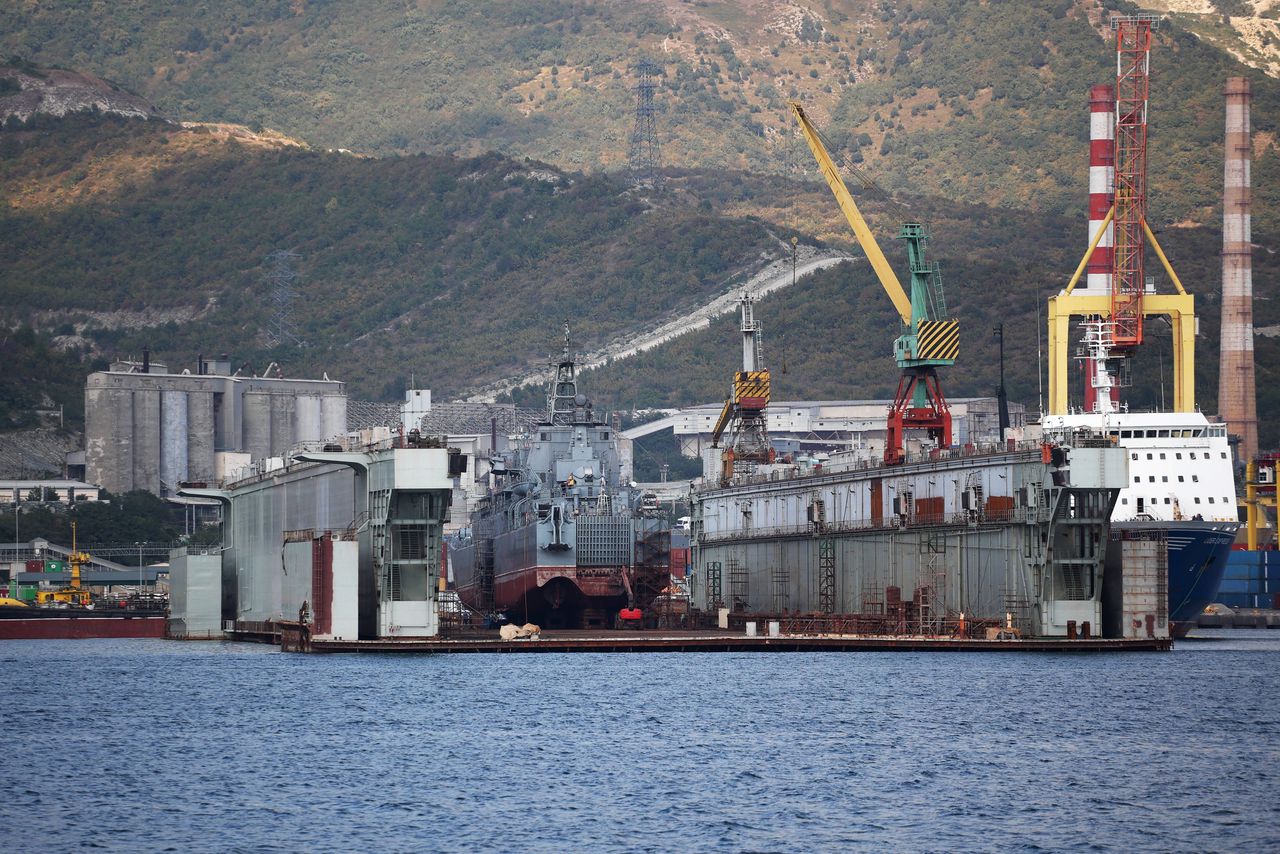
(564, 539)
(1180, 484)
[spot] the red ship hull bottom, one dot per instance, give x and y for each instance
(557, 597)
(76, 628)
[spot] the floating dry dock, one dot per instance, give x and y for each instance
(715, 641)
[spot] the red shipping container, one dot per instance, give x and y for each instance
(679, 562)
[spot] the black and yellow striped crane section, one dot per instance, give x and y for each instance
(751, 385)
(938, 340)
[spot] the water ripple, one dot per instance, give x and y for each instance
(156, 746)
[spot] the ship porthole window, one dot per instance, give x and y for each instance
(1137, 479)
(1164, 478)
(1149, 456)
(1195, 478)
(1133, 456)
(1224, 455)
(1211, 499)
(1162, 456)
(1151, 478)
(1166, 501)
(1197, 499)
(1179, 456)
(1124, 501)
(1181, 478)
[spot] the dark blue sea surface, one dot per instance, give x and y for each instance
(134, 745)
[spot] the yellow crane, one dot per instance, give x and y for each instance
(931, 340)
(72, 593)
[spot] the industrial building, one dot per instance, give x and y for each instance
(796, 426)
(147, 428)
(60, 490)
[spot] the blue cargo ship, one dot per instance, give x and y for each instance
(1180, 485)
(1251, 580)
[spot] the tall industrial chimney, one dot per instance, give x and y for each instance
(1237, 399)
(1102, 176)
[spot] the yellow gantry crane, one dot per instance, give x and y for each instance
(1180, 308)
(1128, 302)
(931, 340)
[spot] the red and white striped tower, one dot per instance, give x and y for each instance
(1237, 398)
(1102, 174)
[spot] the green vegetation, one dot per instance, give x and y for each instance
(35, 375)
(456, 270)
(134, 517)
(964, 100)
(458, 265)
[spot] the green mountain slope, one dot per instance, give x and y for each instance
(121, 233)
(967, 100)
(459, 270)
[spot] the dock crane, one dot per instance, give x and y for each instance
(745, 409)
(1130, 300)
(71, 594)
(930, 340)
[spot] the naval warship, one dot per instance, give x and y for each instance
(564, 539)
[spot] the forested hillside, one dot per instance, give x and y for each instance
(486, 202)
(124, 232)
(957, 98)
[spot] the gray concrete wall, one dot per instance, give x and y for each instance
(308, 418)
(257, 424)
(283, 409)
(146, 439)
(173, 439)
(200, 435)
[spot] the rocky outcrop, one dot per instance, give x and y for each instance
(27, 91)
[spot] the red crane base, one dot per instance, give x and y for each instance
(936, 417)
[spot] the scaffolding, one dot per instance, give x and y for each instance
(714, 585)
(739, 584)
(781, 577)
(931, 608)
(827, 576)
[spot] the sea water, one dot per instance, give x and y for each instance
(137, 745)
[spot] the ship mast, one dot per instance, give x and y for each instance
(562, 397)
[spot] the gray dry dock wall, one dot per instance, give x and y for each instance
(153, 431)
(195, 594)
(313, 498)
(765, 529)
(980, 568)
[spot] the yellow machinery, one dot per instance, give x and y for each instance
(745, 410)
(1259, 494)
(1128, 303)
(930, 339)
(1180, 308)
(73, 593)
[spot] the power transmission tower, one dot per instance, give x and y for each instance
(644, 154)
(280, 328)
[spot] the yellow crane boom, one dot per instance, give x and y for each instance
(888, 279)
